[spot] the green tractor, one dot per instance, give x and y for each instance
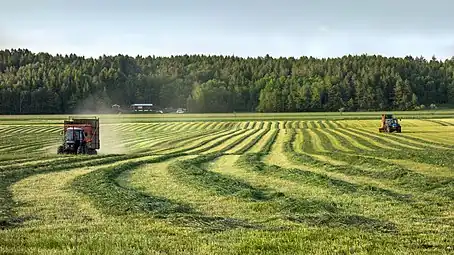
(389, 124)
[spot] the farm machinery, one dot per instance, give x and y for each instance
(389, 124)
(80, 136)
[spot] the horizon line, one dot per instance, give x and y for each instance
(267, 55)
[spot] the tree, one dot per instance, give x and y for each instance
(42, 83)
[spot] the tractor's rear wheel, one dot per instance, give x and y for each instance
(60, 150)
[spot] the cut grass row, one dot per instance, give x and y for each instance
(304, 190)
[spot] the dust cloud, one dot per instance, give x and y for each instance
(111, 139)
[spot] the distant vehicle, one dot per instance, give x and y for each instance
(142, 107)
(180, 110)
(389, 124)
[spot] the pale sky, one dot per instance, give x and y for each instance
(323, 28)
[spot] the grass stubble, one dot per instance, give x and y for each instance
(269, 186)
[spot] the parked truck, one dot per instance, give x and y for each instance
(80, 136)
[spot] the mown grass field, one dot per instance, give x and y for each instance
(230, 184)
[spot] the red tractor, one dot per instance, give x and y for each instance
(80, 136)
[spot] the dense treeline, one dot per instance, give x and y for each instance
(42, 83)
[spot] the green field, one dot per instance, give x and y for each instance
(309, 183)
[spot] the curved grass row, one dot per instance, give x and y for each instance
(339, 181)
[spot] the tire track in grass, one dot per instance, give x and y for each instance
(406, 142)
(309, 124)
(176, 142)
(329, 124)
(340, 123)
(314, 151)
(450, 121)
(323, 124)
(162, 127)
(295, 210)
(209, 143)
(216, 125)
(442, 158)
(442, 139)
(211, 193)
(293, 146)
(150, 141)
(299, 204)
(155, 180)
(423, 168)
(262, 144)
(334, 124)
(169, 140)
(295, 124)
(182, 127)
(276, 158)
(212, 143)
(151, 145)
(268, 125)
(11, 176)
(335, 141)
(220, 125)
(386, 138)
(414, 142)
(402, 179)
(259, 142)
(138, 140)
(29, 146)
(197, 143)
(369, 142)
(112, 198)
(434, 144)
(139, 128)
(247, 143)
(31, 161)
(381, 169)
(362, 197)
(316, 142)
(54, 204)
(253, 124)
(10, 160)
(440, 122)
(345, 139)
(232, 142)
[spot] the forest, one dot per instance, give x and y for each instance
(41, 83)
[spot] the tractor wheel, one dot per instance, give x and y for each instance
(92, 152)
(82, 149)
(60, 149)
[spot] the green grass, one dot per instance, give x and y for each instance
(291, 183)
